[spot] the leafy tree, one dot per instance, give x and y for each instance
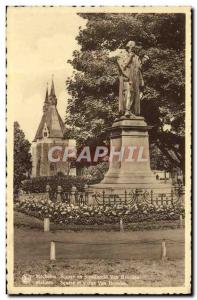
(22, 157)
(96, 172)
(94, 86)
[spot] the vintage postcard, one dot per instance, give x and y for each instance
(98, 150)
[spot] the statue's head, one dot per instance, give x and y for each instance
(130, 45)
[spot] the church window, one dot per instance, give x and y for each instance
(45, 131)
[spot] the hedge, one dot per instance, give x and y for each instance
(38, 184)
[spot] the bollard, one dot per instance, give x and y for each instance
(46, 224)
(163, 250)
(121, 225)
(52, 251)
(181, 221)
(59, 190)
(48, 192)
(73, 195)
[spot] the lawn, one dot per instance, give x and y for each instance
(131, 258)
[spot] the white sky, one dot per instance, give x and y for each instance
(39, 41)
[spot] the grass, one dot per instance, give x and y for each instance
(136, 263)
(77, 272)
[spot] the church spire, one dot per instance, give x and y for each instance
(46, 99)
(53, 98)
(52, 88)
(51, 121)
(47, 94)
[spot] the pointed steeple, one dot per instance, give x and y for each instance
(52, 96)
(52, 93)
(46, 101)
(51, 125)
(47, 95)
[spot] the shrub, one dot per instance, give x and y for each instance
(38, 184)
(96, 173)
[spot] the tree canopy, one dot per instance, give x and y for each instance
(22, 157)
(93, 88)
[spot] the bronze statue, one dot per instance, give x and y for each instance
(131, 80)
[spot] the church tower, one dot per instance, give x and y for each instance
(50, 133)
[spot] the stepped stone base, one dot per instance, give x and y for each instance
(132, 171)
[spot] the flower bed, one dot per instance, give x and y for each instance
(61, 213)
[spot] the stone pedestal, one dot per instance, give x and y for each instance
(131, 169)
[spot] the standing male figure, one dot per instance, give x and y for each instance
(131, 81)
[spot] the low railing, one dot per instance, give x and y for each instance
(127, 197)
(139, 196)
(77, 198)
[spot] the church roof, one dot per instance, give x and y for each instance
(50, 118)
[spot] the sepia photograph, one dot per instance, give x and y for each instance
(98, 150)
